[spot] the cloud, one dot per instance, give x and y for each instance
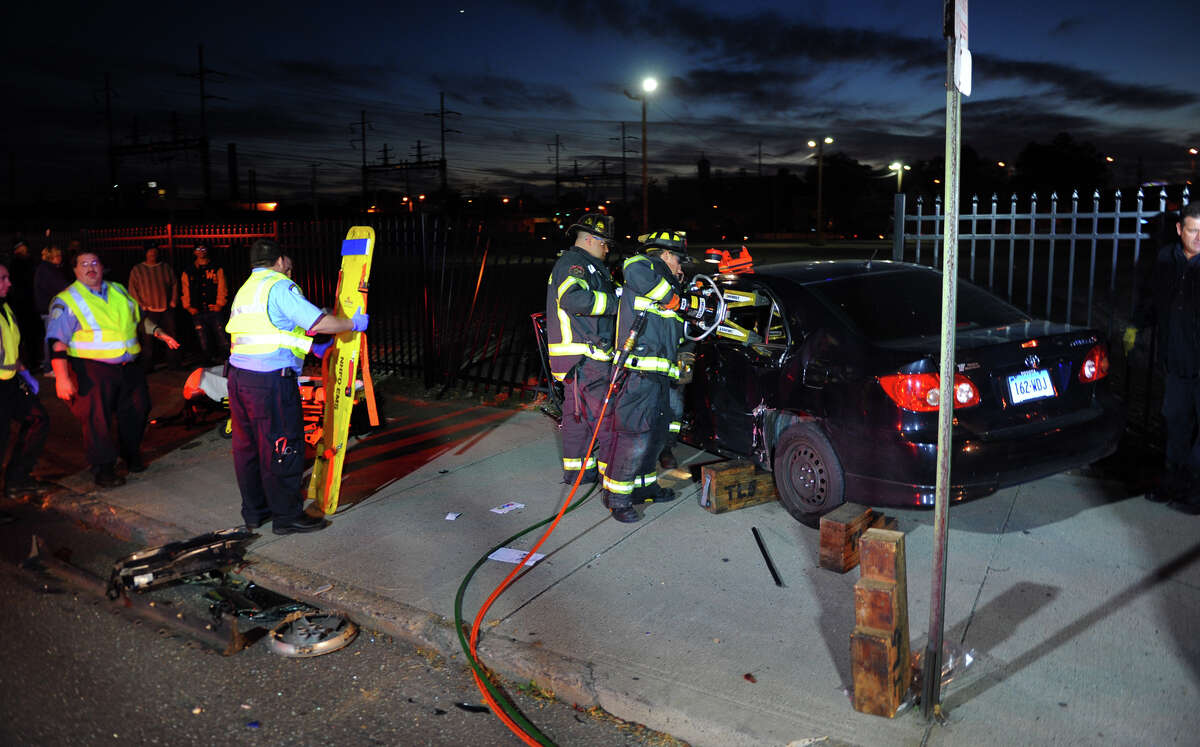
(768, 39)
(319, 72)
(506, 94)
(1069, 25)
(764, 89)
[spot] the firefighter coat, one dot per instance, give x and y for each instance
(581, 306)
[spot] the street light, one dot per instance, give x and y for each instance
(1193, 152)
(820, 146)
(899, 168)
(649, 85)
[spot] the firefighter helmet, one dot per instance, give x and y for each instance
(596, 224)
(670, 241)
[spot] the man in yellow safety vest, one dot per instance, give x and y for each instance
(92, 334)
(271, 326)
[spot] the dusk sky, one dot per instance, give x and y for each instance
(293, 77)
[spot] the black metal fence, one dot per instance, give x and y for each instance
(449, 302)
(1061, 262)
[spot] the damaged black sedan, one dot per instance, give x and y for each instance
(826, 373)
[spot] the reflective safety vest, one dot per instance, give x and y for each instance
(250, 326)
(10, 339)
(107, 326)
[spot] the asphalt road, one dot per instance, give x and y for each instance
(78, 671)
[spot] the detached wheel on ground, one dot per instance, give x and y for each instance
(808, 473)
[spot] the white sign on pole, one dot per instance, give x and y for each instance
(962, 68)
(960, 21)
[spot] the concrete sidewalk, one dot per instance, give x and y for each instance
(1078, 601)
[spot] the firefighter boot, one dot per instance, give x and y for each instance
(621, 507)
(667, 460)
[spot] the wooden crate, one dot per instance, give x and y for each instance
(728, 486)
(841, 529)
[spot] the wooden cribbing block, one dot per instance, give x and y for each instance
(735, 484)
(879, 647)
(879, 682)
(875, 604)
(840, 532)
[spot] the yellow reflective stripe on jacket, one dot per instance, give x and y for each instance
(659, 291)
(600, 304)
(250, 327)
(107, 325)
(653, 365)
(566, 284)
(641, 303)
(674, 427)
(10, 338)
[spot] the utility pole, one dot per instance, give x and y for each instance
(384, 151)
(362, 143)
(232, 167)
(201, 75)
(313, 188)
(441, 115)
(557, 146)
(112, 155)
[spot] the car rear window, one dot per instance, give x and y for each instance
(891, 306)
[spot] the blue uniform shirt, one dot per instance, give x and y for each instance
(62, 324)
(288, 308)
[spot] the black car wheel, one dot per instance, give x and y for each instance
(807, 472)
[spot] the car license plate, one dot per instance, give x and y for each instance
(1030, 385)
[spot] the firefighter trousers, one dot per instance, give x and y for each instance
(641, 418)
(583, 396)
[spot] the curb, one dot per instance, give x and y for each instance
(570, 679)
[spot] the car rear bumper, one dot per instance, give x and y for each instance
(903, 472)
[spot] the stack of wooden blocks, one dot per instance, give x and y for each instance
(879, 656)
(840, 532)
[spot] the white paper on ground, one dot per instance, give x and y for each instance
(515, 556)
(510, 506)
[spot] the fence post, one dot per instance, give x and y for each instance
(898, 227)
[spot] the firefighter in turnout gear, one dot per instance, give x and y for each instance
(642, 411)
(581, 308)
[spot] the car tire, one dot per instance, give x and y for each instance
(808, 473)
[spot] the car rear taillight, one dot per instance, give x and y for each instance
(920, 392)
(1095, 365)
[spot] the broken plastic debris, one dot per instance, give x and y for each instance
(245, 706)
(323, 589)
(252, 724)
(749, 677)
(515, 556)
(473, 708)
(197, 710)
(510, 506)
(454, 515)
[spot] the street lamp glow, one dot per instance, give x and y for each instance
(820, 146)
(1110, 159)
(899, 168)
(1193, 151)
(649, 85)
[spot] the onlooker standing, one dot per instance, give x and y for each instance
(20, 298)
(153, 285)
(19, 402)
(1172, 306)
(49, 279)
(205, 296)
(93, 338)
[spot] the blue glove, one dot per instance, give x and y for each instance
(32, 382)
(318, 348)
(360, 320)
